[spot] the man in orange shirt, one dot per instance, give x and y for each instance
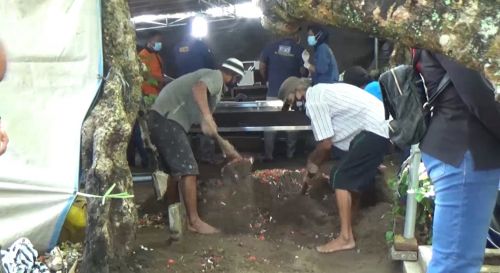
(153, 83)
(153, 78)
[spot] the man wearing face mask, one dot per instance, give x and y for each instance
(324, 69)
(190, 99)
(153, 77)
(354, 121)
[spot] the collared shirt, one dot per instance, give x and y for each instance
(340, 111)
(283, 59)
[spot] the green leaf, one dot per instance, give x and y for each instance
(389, 236)
(152, 82)
(419, 196)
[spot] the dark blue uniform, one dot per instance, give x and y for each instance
(283, 59)
(192, 54)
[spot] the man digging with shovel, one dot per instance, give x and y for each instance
(353, 120)
(190, 99)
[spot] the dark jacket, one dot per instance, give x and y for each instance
(465, 116)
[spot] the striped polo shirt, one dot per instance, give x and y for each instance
(340, 111)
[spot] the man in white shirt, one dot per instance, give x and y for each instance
(353, 120)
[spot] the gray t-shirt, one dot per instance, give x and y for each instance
(176, 101)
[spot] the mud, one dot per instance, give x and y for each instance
(266, 227)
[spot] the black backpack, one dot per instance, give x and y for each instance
(406, 99)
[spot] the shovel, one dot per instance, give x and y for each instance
(238, 167)
(227, 148)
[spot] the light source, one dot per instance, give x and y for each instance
(199, 27)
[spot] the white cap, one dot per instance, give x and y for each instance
(234, 65)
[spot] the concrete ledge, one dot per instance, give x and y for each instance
(411, 267)
(398, 255)
(425, 255)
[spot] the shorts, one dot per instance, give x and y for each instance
(357, 169)
(173, 145)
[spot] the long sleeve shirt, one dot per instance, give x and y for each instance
(326, 70)
(465, 117)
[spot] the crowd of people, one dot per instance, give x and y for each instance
(460, 149)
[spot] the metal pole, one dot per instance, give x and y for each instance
(411, 201)
(375, 48)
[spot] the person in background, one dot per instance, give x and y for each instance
(4, 138)
(191, 54)
(324, 69)
(153, 82)
(280, 60)
(353, 120)
(359, 77)
(190, 99)
(150, 57)
(461, 152)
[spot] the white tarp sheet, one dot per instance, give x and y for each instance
(54, 53)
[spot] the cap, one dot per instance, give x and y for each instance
(234, 65)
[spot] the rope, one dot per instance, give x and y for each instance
(108, 195)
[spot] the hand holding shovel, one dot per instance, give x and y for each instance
(311, 170)
(227, 148)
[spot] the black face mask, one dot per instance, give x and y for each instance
(299, 105)
(233, 83)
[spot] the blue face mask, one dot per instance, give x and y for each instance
(311, 40)
(157, 46)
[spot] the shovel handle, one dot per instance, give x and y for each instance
(226, 146)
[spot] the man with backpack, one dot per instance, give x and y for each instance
(353, 120)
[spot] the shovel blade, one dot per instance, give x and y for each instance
(160, 184)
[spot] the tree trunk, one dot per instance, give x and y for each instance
(465, 30)
(105, 136)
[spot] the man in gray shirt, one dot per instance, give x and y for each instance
(190, 99)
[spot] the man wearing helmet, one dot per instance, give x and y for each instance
(190, 99)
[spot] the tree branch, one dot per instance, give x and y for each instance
(465, 30)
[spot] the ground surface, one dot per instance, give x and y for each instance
(266, 228)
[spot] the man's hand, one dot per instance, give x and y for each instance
(312, 168)
(4, 140)
(311, 171)
(208, 126)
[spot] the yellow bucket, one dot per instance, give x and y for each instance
(76, 221)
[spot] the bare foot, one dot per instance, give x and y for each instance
(338, 244)
(201, 227)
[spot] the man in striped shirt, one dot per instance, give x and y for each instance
(353, 120)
